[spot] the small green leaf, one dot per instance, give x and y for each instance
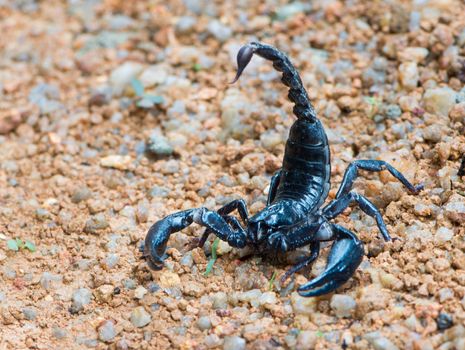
(30, 246)
(19, 243)
(319, 334)
(12, 245)
(197, 67)
(137, 87)
(154, 99)
(213, 258)
(273, 277)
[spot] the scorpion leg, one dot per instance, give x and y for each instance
(238, 204)
(372, 165)
(337, 206)
(273, 186)
(344, 258)
(314, 252)
(159, 233)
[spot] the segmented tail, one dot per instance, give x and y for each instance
(297, 93)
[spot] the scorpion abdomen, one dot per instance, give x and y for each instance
(306, 166)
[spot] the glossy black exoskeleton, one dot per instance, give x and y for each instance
(293, 216)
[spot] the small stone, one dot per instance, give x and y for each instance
(116, 161)
(391, 111)
(306, 340)
(29, 313)
(96, 223)
(444, 321)
(140, 317)
(212, 341)
(408, 75)
(158, 145)
(185, 24)
(104, 293)
(187, 260)
(139, 292)
(445, 294)
(379, 342)
(457, 113)
(170, 167)
(220, 31)
(110, 261)
(302, 305)
(234, 343)
(292, 9)
(432, 133)
(268, 299)
(444, 234)
(343, 305)
(251, 296)
(154, 75)
(107, 331)
(122, 76)
(439, 100)
(129, 283)
(270, 139)
(81, 298)
(220, 300)
(59, 333)
(223, 248)
(169, 279)
(415, 54)
(81, 194)
(455, 210)
(42, 214)
(204, 323)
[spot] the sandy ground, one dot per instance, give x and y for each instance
(114, 114)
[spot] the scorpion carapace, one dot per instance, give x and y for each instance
(293, 216)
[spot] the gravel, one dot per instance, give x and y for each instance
(81, 298)
(139, 317)
(106, 331)
(343, 305)
(234, 343)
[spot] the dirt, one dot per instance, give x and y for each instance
(114, 114)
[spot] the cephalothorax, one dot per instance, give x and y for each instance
(293, 217)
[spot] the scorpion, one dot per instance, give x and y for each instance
(293, 217)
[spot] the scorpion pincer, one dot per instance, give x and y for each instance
(293, 216)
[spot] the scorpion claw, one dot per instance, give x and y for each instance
(345, 256)
(243, 58)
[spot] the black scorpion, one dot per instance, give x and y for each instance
(293, 216)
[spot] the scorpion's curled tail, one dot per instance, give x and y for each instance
(297, 93)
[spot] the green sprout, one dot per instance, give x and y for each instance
(213, 258)
(17, 244)
(145, 100)
(273, 277)
(197, 67)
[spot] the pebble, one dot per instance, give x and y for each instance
(139, 317)
(220, 300)
(185, 24)
(415, 54)
(104, 293)
(122, 76)
(220, 31)
(116, 161)
(107, 331)
(42, 214)
(59, 333)
(110, 261)
(455, 210)
(443, 235)
(96, 223)
(234, 343)
(29, 313)
(290, 10)
(81, 298)
(139, 292)
(81, 194)
(153, 75)
(45, 96)
(271, 139)
(223, 248)
(187, 260)
(169, 279)
(129, 283)
(212, 341)
(379, 342)
(439, 100)
(409, 75)
(204, 323)
(47, 280)
(250, 296)
(444, 321)
(391, 111)
(306, 340)
(343, 305)
(302, 305)
(158, 145)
